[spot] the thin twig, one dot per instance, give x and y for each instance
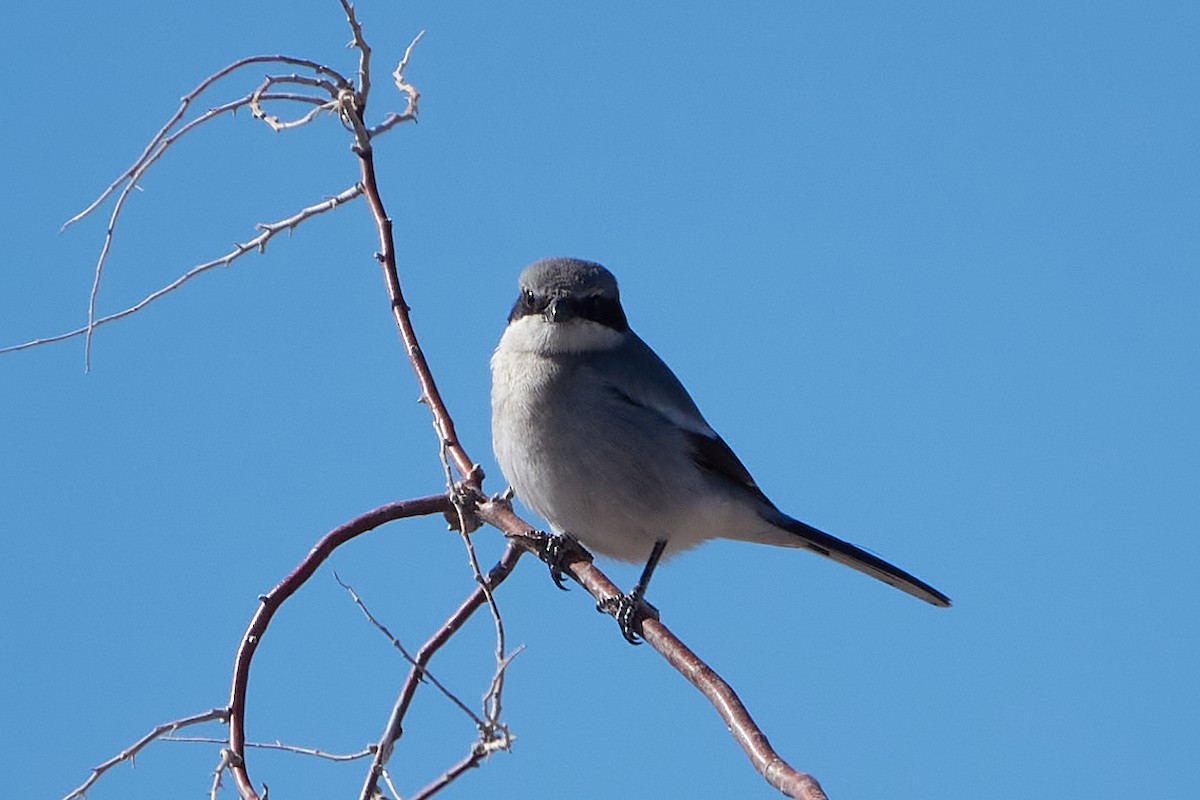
(364, 51)
(276, 124)
(259, 243)
(152, 152)
(470, 761)
(401, 83)
(132, 183)
(394, 728)
(186, 101)
(396, 644)
(158, 732)
(492, 698)
(222, 765)
(287, 748)
(387, 781)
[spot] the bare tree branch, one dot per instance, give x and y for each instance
(578, 564)
(469, 762)
(222, 765)
(155, 150)
(259, 243)
(158, 732)
(394, 728)
(186, 101)
(364, 51)
(259, 94)
(425, 673)
(287, 748)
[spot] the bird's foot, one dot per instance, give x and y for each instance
(553, 549)
(629, 610)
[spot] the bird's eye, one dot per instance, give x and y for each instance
(527, 303)
(530, 301)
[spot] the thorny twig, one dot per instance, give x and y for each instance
(222, 765)
(151, 154)
(287, 748)
(364, 51)
(185, 102)
(130, 752)
(331, 84)
(268, 232)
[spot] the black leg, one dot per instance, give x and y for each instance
(630, 609)
(639, 589)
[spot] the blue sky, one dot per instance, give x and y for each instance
(930, 268)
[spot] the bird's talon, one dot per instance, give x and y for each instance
(552, 550)
(629, 610)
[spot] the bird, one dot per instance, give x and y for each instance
(595, 434)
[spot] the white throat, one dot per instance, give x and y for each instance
(535, 334)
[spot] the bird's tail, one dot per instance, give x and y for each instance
(852, 556)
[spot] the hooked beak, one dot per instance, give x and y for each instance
(560, 309)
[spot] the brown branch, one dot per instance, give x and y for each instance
(429, 391)
(128, 753)
(270, 603)
(742, 727)
(469, 762)
(744, 730)
(386, 256)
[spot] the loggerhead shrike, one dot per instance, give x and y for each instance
(596, 435)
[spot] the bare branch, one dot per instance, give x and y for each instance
(492, 698)
(187, 100)
(578, 564)
(222, 765)
(158, 732)
(393, 729)
(430, 395)
(270, 603)
(425, 673)
(471, 761)
(158, 145)
(287, 748)
(364, 51)
(259, 243)
(257, 96)
(409, 113)
(403, 85)
(341, 96)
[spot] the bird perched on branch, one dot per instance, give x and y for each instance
(596, 435)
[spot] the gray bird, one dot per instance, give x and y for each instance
(597, 436)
